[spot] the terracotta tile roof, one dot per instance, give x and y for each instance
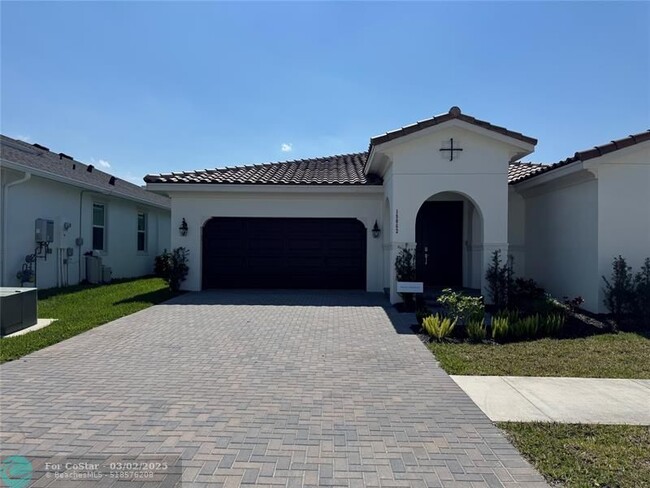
(40, 158)
(343, 169)
(518, 171)
(454, 113)
(587, 154)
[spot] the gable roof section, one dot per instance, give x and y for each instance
(453, 114)
(588, 154)
(63, 168)
(342, 169)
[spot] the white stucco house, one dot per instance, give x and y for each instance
(452, 186)
(86, 210)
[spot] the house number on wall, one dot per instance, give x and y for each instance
(396, 221)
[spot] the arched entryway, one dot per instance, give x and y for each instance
(449, 238)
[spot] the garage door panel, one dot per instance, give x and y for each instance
(284, 253)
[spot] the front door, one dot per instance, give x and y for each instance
(439, 238)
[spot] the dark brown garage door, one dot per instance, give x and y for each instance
(284, 253)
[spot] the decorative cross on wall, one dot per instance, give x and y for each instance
(451, 149)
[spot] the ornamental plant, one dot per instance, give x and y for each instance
(172, 267)
(500, 280)
(476, 331)
(500, 327)
(619, 289)
(405, 271)
(462, 307)
(642, 293)
(438, 326)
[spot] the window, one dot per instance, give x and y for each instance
(142, 231)
(99, 227)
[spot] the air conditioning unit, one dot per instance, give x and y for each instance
(94, 269)
(107, 274)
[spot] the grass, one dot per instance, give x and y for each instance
(573, 456)
(623, 355)
(83, 307)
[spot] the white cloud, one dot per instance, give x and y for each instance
(287, 147)
(100, 162)
(23, 138)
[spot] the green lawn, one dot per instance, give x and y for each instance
(570, 455)
(80, 308)
(623, 355)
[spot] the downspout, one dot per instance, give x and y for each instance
(79, 238)
(26, 177)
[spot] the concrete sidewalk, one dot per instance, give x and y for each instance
(565, 400)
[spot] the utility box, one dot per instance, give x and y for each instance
(107, 274)
(18, 307)
(94, 269)
(44, 230)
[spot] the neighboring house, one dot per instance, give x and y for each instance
(450, 185)
(122, 223)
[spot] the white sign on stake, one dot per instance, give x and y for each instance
(410, 287)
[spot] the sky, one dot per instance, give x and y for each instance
(151, 87)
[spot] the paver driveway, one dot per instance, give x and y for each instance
(265, 388)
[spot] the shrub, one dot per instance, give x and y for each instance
(550, 325)
(405, 271)
(525, 327)
(172, 267)
(438, 326)
(524, 293)
(476, 330)
(462, 307)
(405, 264)
(500, 327)
(499, 279)
(547, 305)
(642, 293)
(619, 292)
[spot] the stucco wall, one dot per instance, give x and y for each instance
(623, 208)
(562, 238)
(517, 230)
(42, 198)
(198, 207)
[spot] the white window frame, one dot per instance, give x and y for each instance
(104, 227)
(145, 232)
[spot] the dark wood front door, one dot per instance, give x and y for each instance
(284, 253)
(439, 238)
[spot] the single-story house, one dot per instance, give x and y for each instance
(60, 209)
(451, 186)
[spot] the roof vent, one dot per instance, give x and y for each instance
(112, 181)
(74, 166)
(63, 155)
(41, 147)
(90, 168)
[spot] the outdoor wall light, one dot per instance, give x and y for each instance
(183, 227)
(376, 230)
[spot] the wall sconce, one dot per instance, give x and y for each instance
(183, 227)
(376, 230)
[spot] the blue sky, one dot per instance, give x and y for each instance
(158, 86)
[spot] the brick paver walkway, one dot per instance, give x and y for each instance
(263, 388)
